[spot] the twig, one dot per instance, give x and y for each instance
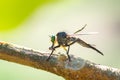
(77, 69)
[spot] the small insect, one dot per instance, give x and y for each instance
(65, 40)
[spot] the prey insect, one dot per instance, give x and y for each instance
(65, 40)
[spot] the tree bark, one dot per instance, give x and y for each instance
(77, 69)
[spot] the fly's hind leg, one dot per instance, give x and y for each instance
(74, 41)
(68, 53)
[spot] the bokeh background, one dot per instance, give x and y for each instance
(30, 22)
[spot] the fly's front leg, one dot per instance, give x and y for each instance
(53, 49)
(50, 55)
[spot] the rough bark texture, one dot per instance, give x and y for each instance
(77, 69)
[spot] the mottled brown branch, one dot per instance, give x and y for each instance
(77, 69)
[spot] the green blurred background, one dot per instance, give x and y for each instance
(30, 22)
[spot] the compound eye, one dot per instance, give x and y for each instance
(52, 39)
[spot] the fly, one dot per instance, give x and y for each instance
(65, 40)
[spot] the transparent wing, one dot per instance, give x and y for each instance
(80, 29)
(84, 44)
(88, 33)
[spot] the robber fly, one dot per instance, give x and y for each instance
(65, 40)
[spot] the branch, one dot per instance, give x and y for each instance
(77, 69)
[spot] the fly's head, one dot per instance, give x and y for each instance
(53, 42)
(52, 38)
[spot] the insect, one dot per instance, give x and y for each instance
(65, 40)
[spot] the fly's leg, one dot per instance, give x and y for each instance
(69, 49)
(53, 49)
(50, 55)
(68, 53)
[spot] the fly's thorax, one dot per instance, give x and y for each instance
(61, 35)
(62, 41)
(62, 38)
